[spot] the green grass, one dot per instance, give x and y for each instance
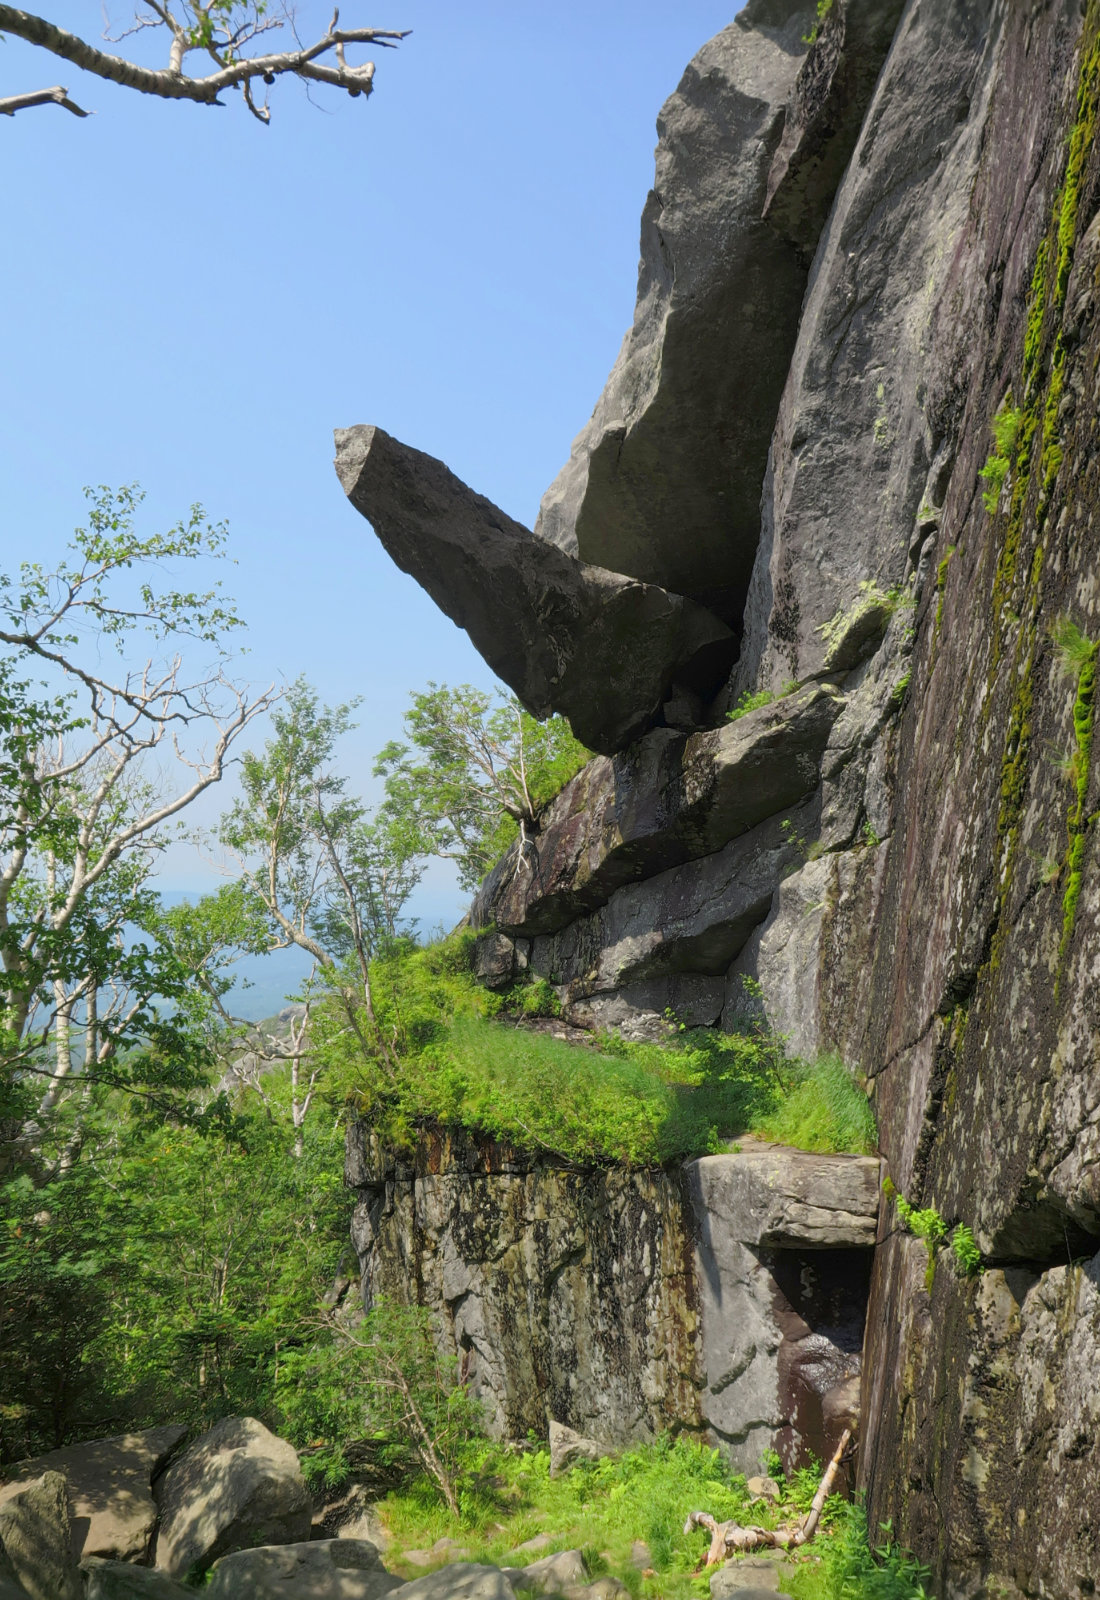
(466, 1059)
(644, 1494)
(825, 1110)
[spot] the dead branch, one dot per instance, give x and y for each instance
(731, 1538)
(56, 96)
(234, 70)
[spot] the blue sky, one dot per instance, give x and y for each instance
(194, 302)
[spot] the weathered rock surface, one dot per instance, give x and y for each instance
(236, 1487)
(324, 1569)
(123, 1580)
(863, 414)
(664, 481)
(604, 650)
(781, 1323)
(667, 800)
(694, 919)
(36, 1538)
(554, 1574)
(466, 1581)
(566, 1293)
(825, 114)
(111, 1508)
(728, 1295)
(568, 1448)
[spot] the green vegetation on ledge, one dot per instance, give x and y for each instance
(468, 1057)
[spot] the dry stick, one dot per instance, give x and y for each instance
(727, 1536)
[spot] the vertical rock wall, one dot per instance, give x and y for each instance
(727, 1297)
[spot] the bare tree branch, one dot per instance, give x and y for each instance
(234, 70)
(40, 97)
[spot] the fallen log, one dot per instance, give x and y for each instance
(731, 1538)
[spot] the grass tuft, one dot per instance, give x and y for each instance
(825, 1111)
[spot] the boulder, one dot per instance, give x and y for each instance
(667, 800)
(604, 650)
(111, 1508)
(557, 1573)
(664, 481)
(36, 1538)
(324, 1569)
(123, 1580)
(568, 1448)
(465, 1581)
(236, 1487)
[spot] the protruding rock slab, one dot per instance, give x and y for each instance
(604, 650)
(236, 1487)
(792, 1199)
(664, 481)
(36, 1541)
(323, 1569)
(110, 1490)
(669, 799)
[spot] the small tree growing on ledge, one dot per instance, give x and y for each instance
(222, 31)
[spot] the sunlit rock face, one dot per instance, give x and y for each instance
(726, 1297)
(892, 850)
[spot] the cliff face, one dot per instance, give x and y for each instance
(900, 849)
(728, 1296)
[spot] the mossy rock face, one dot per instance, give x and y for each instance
(957, 965)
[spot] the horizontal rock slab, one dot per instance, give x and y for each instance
(604, 650)
(770, 1195)
(664, 481)
(694, 919)
(111, 1508)
(669, 799)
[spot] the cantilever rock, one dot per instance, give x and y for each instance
(604, 650)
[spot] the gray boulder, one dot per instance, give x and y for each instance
(568, 1449)
(111, 1508)
(36, 1538)
(605, 651)
(664, 481)
(236, 1487)
(324, 1569)
(123, 1580)
(565, 1569)
(463, 1581)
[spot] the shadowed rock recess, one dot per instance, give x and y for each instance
(857, 254)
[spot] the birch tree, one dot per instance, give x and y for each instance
(96, 768)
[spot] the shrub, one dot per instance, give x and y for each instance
(1006, 428)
